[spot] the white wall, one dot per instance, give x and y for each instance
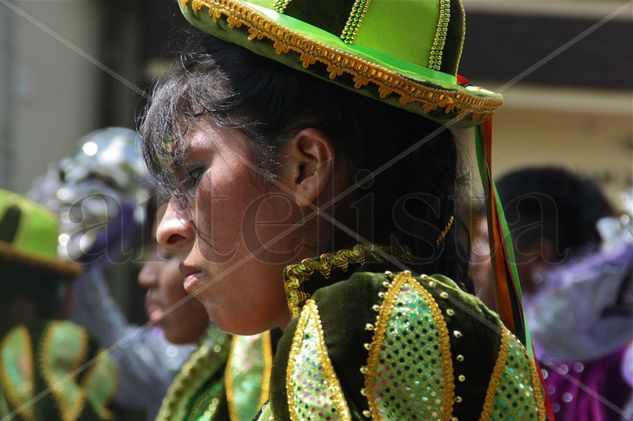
(56, 90)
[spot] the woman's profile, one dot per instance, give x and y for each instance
(306, 150)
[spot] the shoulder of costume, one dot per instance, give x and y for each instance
(51, 355)
(366, 342)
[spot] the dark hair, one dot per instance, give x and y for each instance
(412, 200)
(554, 204)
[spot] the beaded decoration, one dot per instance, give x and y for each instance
(355, 20)
(312, 387)
(409, 356)
(435, 56)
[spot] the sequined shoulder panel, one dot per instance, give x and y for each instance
(313, 389)
(190, 390)
(247, 375)
(409, 356)
(16, 370)
(99, 384)
(514, 391)
(63, 349)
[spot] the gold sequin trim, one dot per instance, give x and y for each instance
(355, 20)
(497, 373)
(402, 279)
(295, 275)
(435, 57)
(338, 62)
(310, 310)
(280, 5)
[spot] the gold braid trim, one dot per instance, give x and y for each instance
(310, 310)
(497, 373)
(380, 333)
(445, 231)
(338, 62)
(268, 368)
(295, 275)
(354, 21)
(537, 389)
(435, 56)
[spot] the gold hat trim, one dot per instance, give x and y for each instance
(338, 62)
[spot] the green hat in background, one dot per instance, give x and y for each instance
(28, 236)
(406, 55)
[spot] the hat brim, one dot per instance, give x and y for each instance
(10, 256)
(418, 89)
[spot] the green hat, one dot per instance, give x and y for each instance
(406, 55)
(28, 235)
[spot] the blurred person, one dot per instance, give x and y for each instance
(50, 368)
(573, 289)
(97, 191)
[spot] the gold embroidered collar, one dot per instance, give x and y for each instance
(296, 275)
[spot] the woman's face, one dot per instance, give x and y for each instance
(236, 233)
(181, 317)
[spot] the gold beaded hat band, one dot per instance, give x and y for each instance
(406, 56)
(28, 236)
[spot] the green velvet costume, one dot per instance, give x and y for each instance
(226, 378)
(365, 343)
(369, 344)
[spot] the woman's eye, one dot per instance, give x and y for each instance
(194, 175)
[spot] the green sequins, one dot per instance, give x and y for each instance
(514, 396)
(313, 389)
(409, 357)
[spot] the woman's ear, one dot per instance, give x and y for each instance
(308, 166)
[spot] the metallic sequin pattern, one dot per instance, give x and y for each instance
(515, 398)
(409, 357)
(314, 392)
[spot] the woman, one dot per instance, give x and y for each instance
(268, 167)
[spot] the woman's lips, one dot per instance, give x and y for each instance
(154, 312)
(193, 278)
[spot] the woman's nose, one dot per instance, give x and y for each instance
(148, 276)
(175, 231)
